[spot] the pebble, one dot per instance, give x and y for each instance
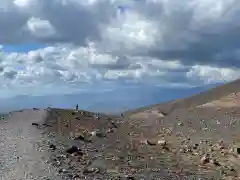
(205, 159)
(53, 147)
(215, 162)
(152, 142)
(62, 171)
(238, 150)
(91, 170)
(162, 142)
(180, 124)
(100, 134)
(128, 177)
(195, 146)
(72, 150)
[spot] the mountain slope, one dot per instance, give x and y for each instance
(210, 95)
(196, 100)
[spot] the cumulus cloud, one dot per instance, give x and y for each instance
(212, 74)
(40, 28)
(149, 41)
(81, 64)
(73, 65)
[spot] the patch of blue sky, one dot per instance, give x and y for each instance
(22, 47)
(20, 68)
(122, 8)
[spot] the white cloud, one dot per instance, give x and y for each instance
(40, 28)
(151, 41)
(210, 74)
(68, 65)
(130, 32)
(24, 3)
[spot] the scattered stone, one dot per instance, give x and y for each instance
(178, 134)
(164, 113)
(35, 124)
(238, 150)
(110, 130)
(205, 159)
(188, 149)
(180, 124)
(162, 142)
(215, 162)
(70, 176)
(114, 124)
(100, 134)
(53, 147)
(168, 131)
(91, 171)
(62, 171)
(82, 138)
(76, 176)
(128, 177)
(73, 149)
(182, 150)
(93, 133)
(232, 172)
(78, 118)
(151, 142)
(186, 146)
(78, 153)
(195, 146)
(46, 125)
(218, 146)
(61, 156)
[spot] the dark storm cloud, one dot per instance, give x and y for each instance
(182, 34)
(218, 50)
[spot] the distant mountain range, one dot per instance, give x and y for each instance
(108, 101)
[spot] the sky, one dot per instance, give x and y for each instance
(72, 46)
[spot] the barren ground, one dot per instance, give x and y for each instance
(197, 137)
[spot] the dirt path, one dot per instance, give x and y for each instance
(20, 143)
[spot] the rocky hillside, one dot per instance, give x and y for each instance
(183, 139)
(217, 96)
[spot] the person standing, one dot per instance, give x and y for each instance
(77, 107)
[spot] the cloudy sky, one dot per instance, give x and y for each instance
(67, 46)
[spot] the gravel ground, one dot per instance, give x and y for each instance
(185, 144)
(22, 155)
(194, 135)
